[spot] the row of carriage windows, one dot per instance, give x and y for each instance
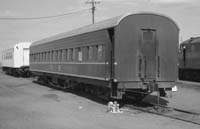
(191, 47)
(88, 53)
(7, 56)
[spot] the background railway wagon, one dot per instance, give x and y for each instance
(189, 60)
(15, 60)
(132, 53)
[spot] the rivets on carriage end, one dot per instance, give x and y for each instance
(115, 80)
(115, 63)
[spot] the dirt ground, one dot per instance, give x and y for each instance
(26, 105)
(187, 97)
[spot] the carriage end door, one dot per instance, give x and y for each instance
(148, 54)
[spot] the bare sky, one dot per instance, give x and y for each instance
(186, 13)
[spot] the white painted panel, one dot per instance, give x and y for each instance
(25, 56)
(19, 56)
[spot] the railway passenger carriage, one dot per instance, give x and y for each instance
(189, 60)
(15, 60)
(135, 53)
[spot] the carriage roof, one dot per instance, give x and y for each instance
(109, 23)
(192, 40)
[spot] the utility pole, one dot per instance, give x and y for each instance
(92, 2)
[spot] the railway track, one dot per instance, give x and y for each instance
(170, 112)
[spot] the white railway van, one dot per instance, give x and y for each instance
(15, 60)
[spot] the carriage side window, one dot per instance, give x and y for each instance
(99, 52)
(34, 57)
(76, 54)
(51, 56)
(37, 58)
(85, 53)
(95, 52)
(66, 55)
(37, 55)
(45, 54)
(31, 59)
(90, 52)
(56, 55)
(60, 55)
(80, 54)
(73, 54)
(53, 53)
(40, 59)
(70, 55)
(63, 55)
(47, 58)
(11, 55)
